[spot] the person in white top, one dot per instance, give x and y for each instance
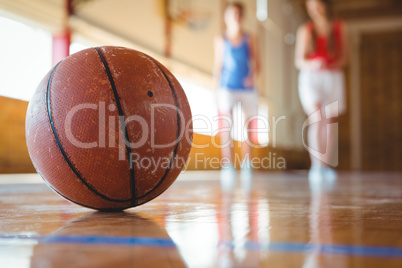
(321, 53)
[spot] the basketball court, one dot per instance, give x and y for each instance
(198, 213)
(283, 220)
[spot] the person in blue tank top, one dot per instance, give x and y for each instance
(235, 68)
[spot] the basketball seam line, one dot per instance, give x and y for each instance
(63, 152)
(178, 133)
(122, 122)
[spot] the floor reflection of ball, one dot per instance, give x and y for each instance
(107, 240)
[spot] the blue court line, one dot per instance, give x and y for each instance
(300, 248)
(96, 240)
(325, 249)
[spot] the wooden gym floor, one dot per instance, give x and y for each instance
(283, 220)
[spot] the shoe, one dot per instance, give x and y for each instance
(246, 178)
(316, 173)
(227, 178)
(322, 178)
(330, 176)
(315, 177)
(330, 173)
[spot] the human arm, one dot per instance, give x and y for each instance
(218, 60)
(344, 56)
(254, 62)
(303, 41)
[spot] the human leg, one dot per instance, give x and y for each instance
(225, 123)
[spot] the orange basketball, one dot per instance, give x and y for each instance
(109, 128)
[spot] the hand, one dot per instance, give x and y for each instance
(335, 65)
(317, 64)
(248, 82)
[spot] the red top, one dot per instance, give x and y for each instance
(321, 44)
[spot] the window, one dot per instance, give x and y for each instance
(25, 58)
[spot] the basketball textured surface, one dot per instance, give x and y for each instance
(109, 128)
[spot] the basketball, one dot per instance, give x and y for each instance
(109, 128)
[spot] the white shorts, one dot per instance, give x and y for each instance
(322, 88)
(228, 98)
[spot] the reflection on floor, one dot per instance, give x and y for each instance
(209, 220)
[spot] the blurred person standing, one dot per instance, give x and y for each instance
(321, 53)
(235, 68)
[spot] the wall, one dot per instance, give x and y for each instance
(280, 75)
(14, 156)
(144, 24)
(381, 68)
(141, 24)
(47, 14)
(374, 114)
